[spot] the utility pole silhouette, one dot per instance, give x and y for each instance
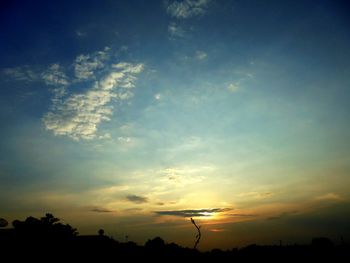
(198, 236)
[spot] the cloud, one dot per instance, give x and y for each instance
(80, 33)
(24, 73)
(124, 139)
(78, 115)
(137, 199)
(185, 175)
(133, 210)
(256, 195)
(101, 210)
(330, 197)
(106, 136)
(233, 87)
(242, 77)
(282, 215)
(158, 96)
(187, 8)
(242, 215)
(85, 65)
(176, 31)
(216, 230)
(192, 212)
(183, 10)
(201, 55)
(55, 76)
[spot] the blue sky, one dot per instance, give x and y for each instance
(125, 114)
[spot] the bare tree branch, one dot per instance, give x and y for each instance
(198, 237)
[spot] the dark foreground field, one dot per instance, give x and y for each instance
(45, 240)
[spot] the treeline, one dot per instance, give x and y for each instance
(47, 239)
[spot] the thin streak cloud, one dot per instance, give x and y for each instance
(192, 212)
(21, 73)
(101, 210)
(137, 199)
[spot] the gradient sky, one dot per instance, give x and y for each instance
(134, 116)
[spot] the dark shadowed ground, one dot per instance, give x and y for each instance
(46, 239)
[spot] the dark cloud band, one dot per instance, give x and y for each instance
(192, 212)
(137, 199)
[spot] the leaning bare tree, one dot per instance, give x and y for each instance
(198, 236)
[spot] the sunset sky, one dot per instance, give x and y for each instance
(134, 116)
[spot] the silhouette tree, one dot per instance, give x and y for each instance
(3, 222)
(155, 243)
(101, 232)
(47, 226)
(198, 236)
(49, 219)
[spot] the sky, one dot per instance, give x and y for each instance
(134, 116)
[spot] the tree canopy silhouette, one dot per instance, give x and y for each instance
(3, 222)
(101, 232)
(155, 243)
(47, 226)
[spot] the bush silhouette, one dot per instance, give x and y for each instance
(155, 243)
(3, 222)
(322, 243)
(47, 227)
(101, 232)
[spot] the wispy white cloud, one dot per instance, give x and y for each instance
(158, 96)
(124, 139)
(55, 76)
(241, 78)
(233, 87)
(85, 65)
(183, 10)
(185, 175)
(187, 8)
(105, 136)
(24, 73)
(124, 48)
(78, 115)
(128, 67)
(176, 31)
(80, 33)
(201, 55)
